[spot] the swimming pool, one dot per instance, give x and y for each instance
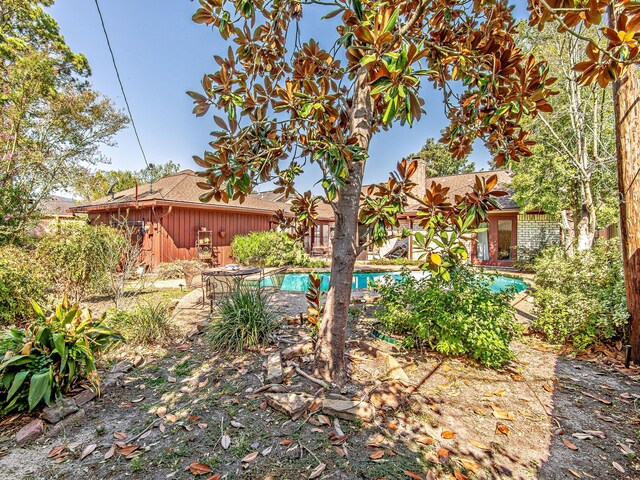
(299, 282)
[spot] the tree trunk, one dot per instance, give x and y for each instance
(627, 113)
(330, 348)
(568, 232)
(587, 223)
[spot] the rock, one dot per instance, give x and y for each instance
(66, 423)
(297, 350)
(394, 370)
(30, 431)
(348, 409)
(122, 367)
(274, 369)
(138, 360)
(84, 398)
(293, 404)
(62, 409)
(112, 379)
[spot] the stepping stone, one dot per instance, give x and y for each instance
(348, 409)
(293, 404)
(30, 431)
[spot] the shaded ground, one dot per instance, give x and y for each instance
(475, 421)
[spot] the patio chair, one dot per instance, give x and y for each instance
(215, 287)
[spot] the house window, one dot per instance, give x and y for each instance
(482, 247)
(504, 239)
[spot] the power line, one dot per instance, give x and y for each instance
(113, 59)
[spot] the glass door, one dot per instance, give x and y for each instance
(505, 240)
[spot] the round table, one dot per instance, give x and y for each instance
(222, 280)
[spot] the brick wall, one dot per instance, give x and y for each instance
(535, 231)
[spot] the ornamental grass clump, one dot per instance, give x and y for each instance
(146, 324)
(50, 355)
(460, 316)
(243, 319)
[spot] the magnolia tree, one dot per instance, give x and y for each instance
(283, 105)
(612, 60)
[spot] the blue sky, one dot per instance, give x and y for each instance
(161, 54)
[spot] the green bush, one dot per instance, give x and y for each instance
(461, 316)
(45, 359)
(243, 319)
(71, 261)
(270, 249)
(581, 299)
(147, 324)
(20, 281)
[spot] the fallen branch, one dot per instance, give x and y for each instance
(413, 389)
(315, 380)
(149, 427)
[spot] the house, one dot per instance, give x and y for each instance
(511, 233)
(174, 224)
(53, 211)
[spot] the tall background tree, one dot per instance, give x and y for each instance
(438, 160)
(613, 60)
(53, 122)
(572, 174)
(287, 104)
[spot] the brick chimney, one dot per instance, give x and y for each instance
(420, 178)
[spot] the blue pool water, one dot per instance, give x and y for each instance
(299, 282)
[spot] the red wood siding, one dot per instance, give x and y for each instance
(171, 233)
(494, 218)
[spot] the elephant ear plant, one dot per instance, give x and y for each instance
(46, 358)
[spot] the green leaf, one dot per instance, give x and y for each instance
(39, 388)
(392, 21)
(18, 380)
(357, 8)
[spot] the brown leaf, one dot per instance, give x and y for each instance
(55, 451)
(460, 475)
(377, 455)
(448, 435)
(340, 451)
(120, 435)
(225, 441)
(215, 476)
(479, 445)
(502, 414)
(548, 388)
(286, 442)
(471, 465)
(199, 468)
(161, 411)
(569, 444)
(574, 473)
(88, 450)
(162, 427)
(425, 440)
(202, 425)
(127, 450)
(502, 428)
(317, 471)
(110, 452)
(170, 417)
(250, 458)
(413, 475)
(443, 455)
(324, 419)
(392, 425)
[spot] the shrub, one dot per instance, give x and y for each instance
(20, 281)
(186, 269)
(459, 316)
(243, 319)
(147, 324)
(270, 249)
(71, 259)
(581, 299)
(45, 359)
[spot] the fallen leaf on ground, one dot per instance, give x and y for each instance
(502, 414)
(413, 475)
(392, 425)
(497, 393)
(618, 467)
(377, 454)
(120, 435)
(161, 411)
(250, 458)
(376, 441)
(202, 425)
(569, 445)
(171, 379)
(460, 475)
(443, 455)
(225, 441)
(340, 451)
(110, 452)
(199, 468)
(138, 400)
(425, 440)
(574, 473)
(502, 428)
(324, 419)
(88, 450)
(171, 418)
(57, 450)
(480, 411)
(286, 442)
(128, 450)
(596, 433)
(548, 388)
(317, 471)
(266, 451)
(145, 434)
(582, 436)
(626, 449)
(236, 424)
(448, 435)
(162, 427)
(215, 476)
(471, 465)
(479, 445)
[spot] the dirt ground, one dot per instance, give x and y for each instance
(547, 416)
